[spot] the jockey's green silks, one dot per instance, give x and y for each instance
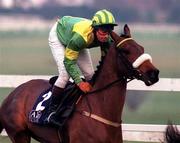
(76, 34)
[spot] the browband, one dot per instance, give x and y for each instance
(127, 39)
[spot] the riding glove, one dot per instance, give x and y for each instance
(84, 86)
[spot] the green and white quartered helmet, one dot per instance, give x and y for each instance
(103, 17)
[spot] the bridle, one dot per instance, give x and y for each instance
(133, 73)
(132, 68)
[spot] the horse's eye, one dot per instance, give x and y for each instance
(123, 50)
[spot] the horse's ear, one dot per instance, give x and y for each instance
(127, 30)
(114, 36)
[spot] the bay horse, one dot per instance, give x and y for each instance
(124, 60)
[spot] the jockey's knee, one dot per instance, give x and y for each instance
(89, 75)
(61, 81)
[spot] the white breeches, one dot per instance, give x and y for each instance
(84, 61)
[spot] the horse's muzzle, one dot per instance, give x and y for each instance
(152, 77)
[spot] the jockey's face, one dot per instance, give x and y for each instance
(103, 32)
(102, 35)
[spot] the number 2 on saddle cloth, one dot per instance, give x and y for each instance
(38, 113)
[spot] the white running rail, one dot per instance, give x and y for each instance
(164, 84)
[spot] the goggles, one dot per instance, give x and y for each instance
(105, 28)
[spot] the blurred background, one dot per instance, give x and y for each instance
(155, 24)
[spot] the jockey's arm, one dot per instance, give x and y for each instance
(73, 48)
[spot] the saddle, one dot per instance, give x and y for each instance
(65, 110)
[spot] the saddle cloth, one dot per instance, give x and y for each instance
(40, 108)
(38, 113)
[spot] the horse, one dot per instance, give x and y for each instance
(97, 117)
(172, 134)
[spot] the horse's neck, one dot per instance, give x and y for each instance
(110, 101)
(109, 71)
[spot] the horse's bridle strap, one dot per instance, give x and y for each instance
(100, 119)
(123, 41)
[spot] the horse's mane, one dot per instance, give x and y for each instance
(98, 69)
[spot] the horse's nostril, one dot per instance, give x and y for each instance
(153, 75)
(157, 72)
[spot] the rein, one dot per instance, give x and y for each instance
(106, 86)
(96, 117)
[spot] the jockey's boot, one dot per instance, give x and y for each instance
(57, 96)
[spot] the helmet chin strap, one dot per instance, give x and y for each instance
(141, 59)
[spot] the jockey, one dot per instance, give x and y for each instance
(69, 40)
